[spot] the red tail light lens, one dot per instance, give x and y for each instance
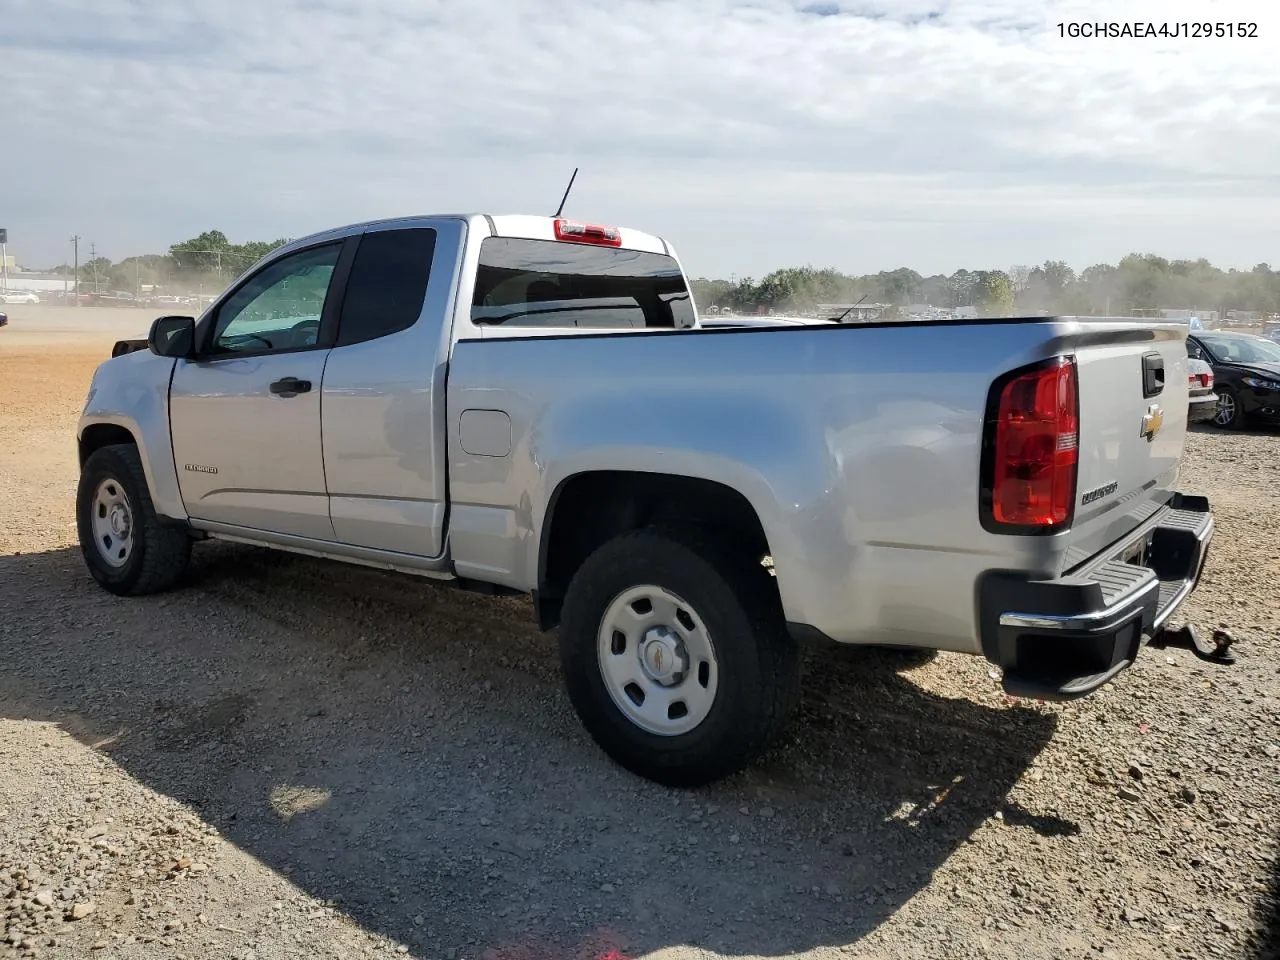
(576, 232)
(1036, 448)
(1198, 381)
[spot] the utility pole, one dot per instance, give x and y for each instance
(93, 259)
(75, 270)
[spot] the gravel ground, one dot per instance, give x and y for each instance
(292, 758)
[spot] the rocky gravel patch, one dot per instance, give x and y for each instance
(288, 758)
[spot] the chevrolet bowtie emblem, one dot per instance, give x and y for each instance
(1152, 421)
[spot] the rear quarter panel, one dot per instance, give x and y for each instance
(858, 447)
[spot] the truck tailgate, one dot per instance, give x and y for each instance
(1133, 424)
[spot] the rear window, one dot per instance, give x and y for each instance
(550, 283)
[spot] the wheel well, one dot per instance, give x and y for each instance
(591, 508)
(100, 435)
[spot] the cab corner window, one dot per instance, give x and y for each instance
(388, 284)
(279, 308)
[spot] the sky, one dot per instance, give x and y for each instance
(753, 134)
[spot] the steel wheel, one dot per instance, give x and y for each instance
(112, 522)
(676, 654)
(657, 660)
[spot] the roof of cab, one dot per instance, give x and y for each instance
(522, 226)
(532, 227)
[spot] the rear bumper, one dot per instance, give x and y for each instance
(1063, 639)
(1202, 408)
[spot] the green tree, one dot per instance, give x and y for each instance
(96, 273)
(1057, 275)
(202, 254)
(213, 258)
(710, 293)
(994, 294)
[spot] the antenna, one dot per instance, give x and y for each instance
(840, 319)
(560, 209)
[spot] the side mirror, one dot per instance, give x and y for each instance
(172, 336)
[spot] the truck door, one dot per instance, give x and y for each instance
(384, 418)
(245, 413)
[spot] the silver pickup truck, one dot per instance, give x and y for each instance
(529, 404)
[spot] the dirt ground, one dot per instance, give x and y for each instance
(289, 758)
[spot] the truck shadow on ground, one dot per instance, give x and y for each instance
(407, 753)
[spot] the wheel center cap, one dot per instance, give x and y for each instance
(662, 656)
(119, 521)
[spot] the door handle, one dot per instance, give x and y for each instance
(290, 387)
(1152, 375)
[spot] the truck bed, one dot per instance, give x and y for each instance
(859, 446)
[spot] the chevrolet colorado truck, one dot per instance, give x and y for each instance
(529, 405)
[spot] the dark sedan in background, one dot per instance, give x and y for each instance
(1246, 374)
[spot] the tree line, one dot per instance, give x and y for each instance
(208, 261)
(1138, 281)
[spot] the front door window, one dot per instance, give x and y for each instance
(280, 308)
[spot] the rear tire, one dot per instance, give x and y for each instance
(126, 546)
(676, 656)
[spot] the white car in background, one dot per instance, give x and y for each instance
(18, 296)
(1202, 402)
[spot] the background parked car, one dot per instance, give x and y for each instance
(1246, 371)
(1202, 404)
(18, 296)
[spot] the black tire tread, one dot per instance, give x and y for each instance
(758, 592)
(755, 594)
(165, 549)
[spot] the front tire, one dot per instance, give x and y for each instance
(676, 655)
(1230, 415)
(126, 546)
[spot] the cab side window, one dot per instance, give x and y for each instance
(279, 308)
(388, 284)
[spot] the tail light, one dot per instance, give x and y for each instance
(576, 232)
(1200, 381)
(1032, 449)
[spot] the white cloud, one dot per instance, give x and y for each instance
(863, 134)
